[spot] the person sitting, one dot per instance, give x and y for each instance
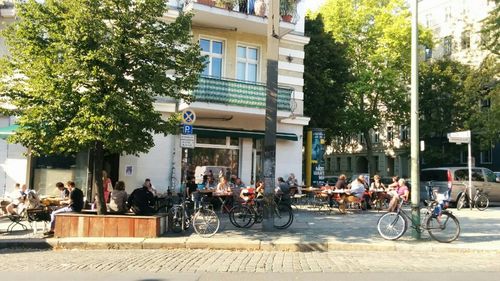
(394, 184)
(223, 186)
(341, 183)
(292, 180)
(282, 191)
(75, 204)
(247, 194)
(149, 186)
(354, 194)
(400, 193)
(63, 191)
(142, 201)
(19, 196)
(377, 189)
(118, 200)
(259, 189)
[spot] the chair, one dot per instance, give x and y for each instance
(17, 219)
(36, 215)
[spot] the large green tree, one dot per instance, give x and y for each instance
(85, 74)
(444, 107)
(326, 74)
(377, 34)
(490, 32)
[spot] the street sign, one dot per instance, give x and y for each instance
(188, 117)
(188, 141)
(187, 129)
(459, 137)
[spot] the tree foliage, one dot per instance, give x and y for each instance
(490, 32)
(83, 75)
(326, 75)
(377, 35)
(81, 72)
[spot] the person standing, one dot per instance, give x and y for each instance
(108, 186)
(75, 204)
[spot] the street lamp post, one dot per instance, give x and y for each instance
(271, 113)
(415, 162)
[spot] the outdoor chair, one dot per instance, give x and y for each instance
(17, 219)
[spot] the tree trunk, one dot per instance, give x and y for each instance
(98, 184)
(369, 153)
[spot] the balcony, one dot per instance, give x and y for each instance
(209, 15)
(238, 93)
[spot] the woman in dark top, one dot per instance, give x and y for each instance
(341, 183)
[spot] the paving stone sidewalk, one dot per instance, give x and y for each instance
(310, 231)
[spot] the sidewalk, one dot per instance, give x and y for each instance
(310, 231)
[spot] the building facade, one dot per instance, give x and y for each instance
(229, 107)
(456, 26)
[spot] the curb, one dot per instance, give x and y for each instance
(231, 244)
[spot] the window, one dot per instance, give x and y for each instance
(490, 176)
(428, 53)
(361, 139)
(213, 51)
(447, 45)
(447, 14)
(390, 134)
(247, 63)
(465, 40)
(338, 164)
(376, 137)
(349, 164)
(405, 133)
(486, 156)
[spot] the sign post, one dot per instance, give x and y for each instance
(459, 138)
(188, 140)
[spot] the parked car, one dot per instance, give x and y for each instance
(458, 179)
(497, 174)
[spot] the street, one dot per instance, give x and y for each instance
(199, 261)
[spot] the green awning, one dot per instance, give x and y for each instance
(217, 132)
(7, 131)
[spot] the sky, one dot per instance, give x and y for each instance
(312, 4)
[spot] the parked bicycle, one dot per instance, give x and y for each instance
(443, 227)
(251, 212)
(205, 221)
(480, 200)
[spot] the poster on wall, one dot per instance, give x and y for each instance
(318, 151)
(129, 171)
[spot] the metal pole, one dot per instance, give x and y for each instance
(271, 113)
(415, 169)
(308, 155)
(469, 163)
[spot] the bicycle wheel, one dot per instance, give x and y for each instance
(175, 219)
(206, 222)
(283, 216)
(391, 226)
(444, 228)
(482, 202)
(462, 201)
(241, 216)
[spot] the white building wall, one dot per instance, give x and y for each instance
(246, 163)
(13, 163)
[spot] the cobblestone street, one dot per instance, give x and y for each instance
(234, 261)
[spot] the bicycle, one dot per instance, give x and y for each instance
(251, 212)
(205, 221)
(480, 201)
(443, 228)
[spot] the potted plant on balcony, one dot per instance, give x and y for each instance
(228, 4)
(288, 9)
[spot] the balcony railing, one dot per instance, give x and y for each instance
(238, 93)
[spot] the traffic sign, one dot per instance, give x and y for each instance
(188, 117)
(459, 137)
(188, 141)
(187, 129)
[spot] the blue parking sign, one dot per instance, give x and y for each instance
(187, 129)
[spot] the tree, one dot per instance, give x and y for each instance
(326, 73)
(490, 32)
(84, 75)
(378, 39)
(482, 97)
(444, 107)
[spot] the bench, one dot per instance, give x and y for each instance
(111, 225)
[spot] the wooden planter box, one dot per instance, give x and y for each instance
(90, 225)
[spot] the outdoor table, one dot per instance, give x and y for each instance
(223, 197)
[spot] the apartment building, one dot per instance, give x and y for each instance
(229, 108)
(456, 26)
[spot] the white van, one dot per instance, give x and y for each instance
(200, 171)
